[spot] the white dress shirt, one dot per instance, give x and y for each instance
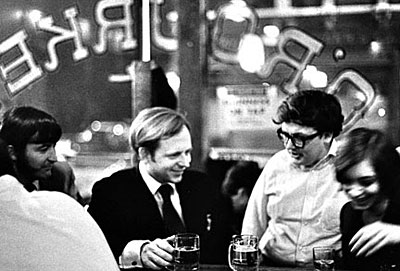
(293, 209)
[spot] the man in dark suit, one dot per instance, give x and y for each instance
(129, 205)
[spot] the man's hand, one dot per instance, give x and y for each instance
(371, 238)
(157, 254)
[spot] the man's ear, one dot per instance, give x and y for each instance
(143, 153)
(241, 192)
(328, 137)
(11, 152)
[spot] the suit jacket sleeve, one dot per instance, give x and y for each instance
(106, 212)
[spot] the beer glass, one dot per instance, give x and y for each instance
(186, 252)
(324, 258)
(243, 253)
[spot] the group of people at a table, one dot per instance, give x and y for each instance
(315, 192)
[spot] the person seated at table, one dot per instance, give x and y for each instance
(139, 209)
(237, 186)
(46, 230)
(368, 168)
(296, 202)
(31, 135)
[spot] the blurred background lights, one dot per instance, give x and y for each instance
(235, 11)
(271, 31)
(339, 54)
(95, 126)
(18, 14)
(172, 16)
(359, 95)
(118, 130)
(85, 136)
(316, 79)
(34, 16)
(319, 80)
(381, 112)
(375, 47)
(271, 34)
(251, 53)
(64, 149)
(222, 92)
(211, 15)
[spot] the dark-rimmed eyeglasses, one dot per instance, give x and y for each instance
(298, 140)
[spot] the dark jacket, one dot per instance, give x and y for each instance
(126, 210)
(350, 223)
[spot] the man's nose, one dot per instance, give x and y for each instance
(185, 160)
(289, 144)
(52, 155)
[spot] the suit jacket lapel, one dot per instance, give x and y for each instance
(146, 199)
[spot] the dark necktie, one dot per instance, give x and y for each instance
(30, 187)
(172, 221)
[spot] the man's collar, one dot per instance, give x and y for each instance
(151, 183)
(333, 149)
(321, 163)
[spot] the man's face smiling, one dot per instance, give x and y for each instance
(171, 158)
(314, 149)
(38, 161)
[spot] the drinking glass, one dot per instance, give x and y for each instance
(186, 252)
(243, 253)
(324, 258)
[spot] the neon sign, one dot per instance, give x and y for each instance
(15, 83)
(32, 71)
(226, 49)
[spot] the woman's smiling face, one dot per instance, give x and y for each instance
(362, 187)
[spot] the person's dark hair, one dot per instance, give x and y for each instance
(25, 124)
(162, 94)
(6, 163)
(370, 144)
(152, 125)
(243, 174)
(312, 108)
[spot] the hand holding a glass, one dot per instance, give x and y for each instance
(180, 252)
(158, 253)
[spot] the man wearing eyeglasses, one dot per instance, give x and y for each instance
(296, 201)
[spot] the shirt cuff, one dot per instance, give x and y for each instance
(130, 257)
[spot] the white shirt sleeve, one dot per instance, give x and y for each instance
(256, 218)
(130, 257)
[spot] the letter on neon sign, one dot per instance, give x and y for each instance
(313, 47)
(105, 24)
(64, 34)
(29, 75)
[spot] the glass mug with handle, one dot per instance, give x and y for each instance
(243, 254)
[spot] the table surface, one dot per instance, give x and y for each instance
(261, 268)
(207, 267)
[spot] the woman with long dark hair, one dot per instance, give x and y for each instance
(368, 167)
